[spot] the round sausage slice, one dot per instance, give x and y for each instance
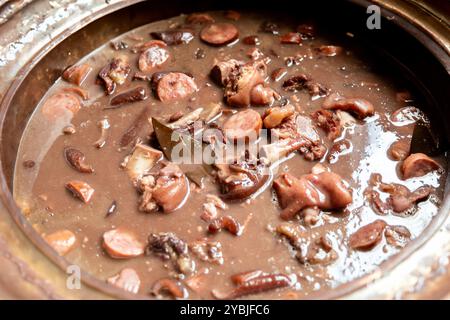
(399, 150)
(244, 125)
(359, 107)
(219, 34)
(62, 241)
(417, 165)
(175, 86)
(368, 236)
(60, 105)
(152, 57)
(122, 244)
(199, 18)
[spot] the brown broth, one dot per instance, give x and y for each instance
(350, 73)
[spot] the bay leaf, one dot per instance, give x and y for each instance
(169, 138)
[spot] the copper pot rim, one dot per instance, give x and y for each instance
(404, 21)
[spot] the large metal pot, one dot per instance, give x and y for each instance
(45, 36)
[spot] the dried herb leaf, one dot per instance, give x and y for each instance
(139, 126)
(168, 139)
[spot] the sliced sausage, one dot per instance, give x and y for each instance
(244, 125)
(219, 34)
(175, 86)
(62, 241)
(82, 93)
(77, 74)
(61, 104)
(130, 96)
(122, 244)
(152, 58)
(80, 190)
(417, 165)
(359, 107)
(232, 15)
(291, 38)
(329, 51)
(368, 236)
(199, 18)
(399, 150)
(127, 279)
(402, 199)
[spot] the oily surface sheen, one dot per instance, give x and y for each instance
(296, 246)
